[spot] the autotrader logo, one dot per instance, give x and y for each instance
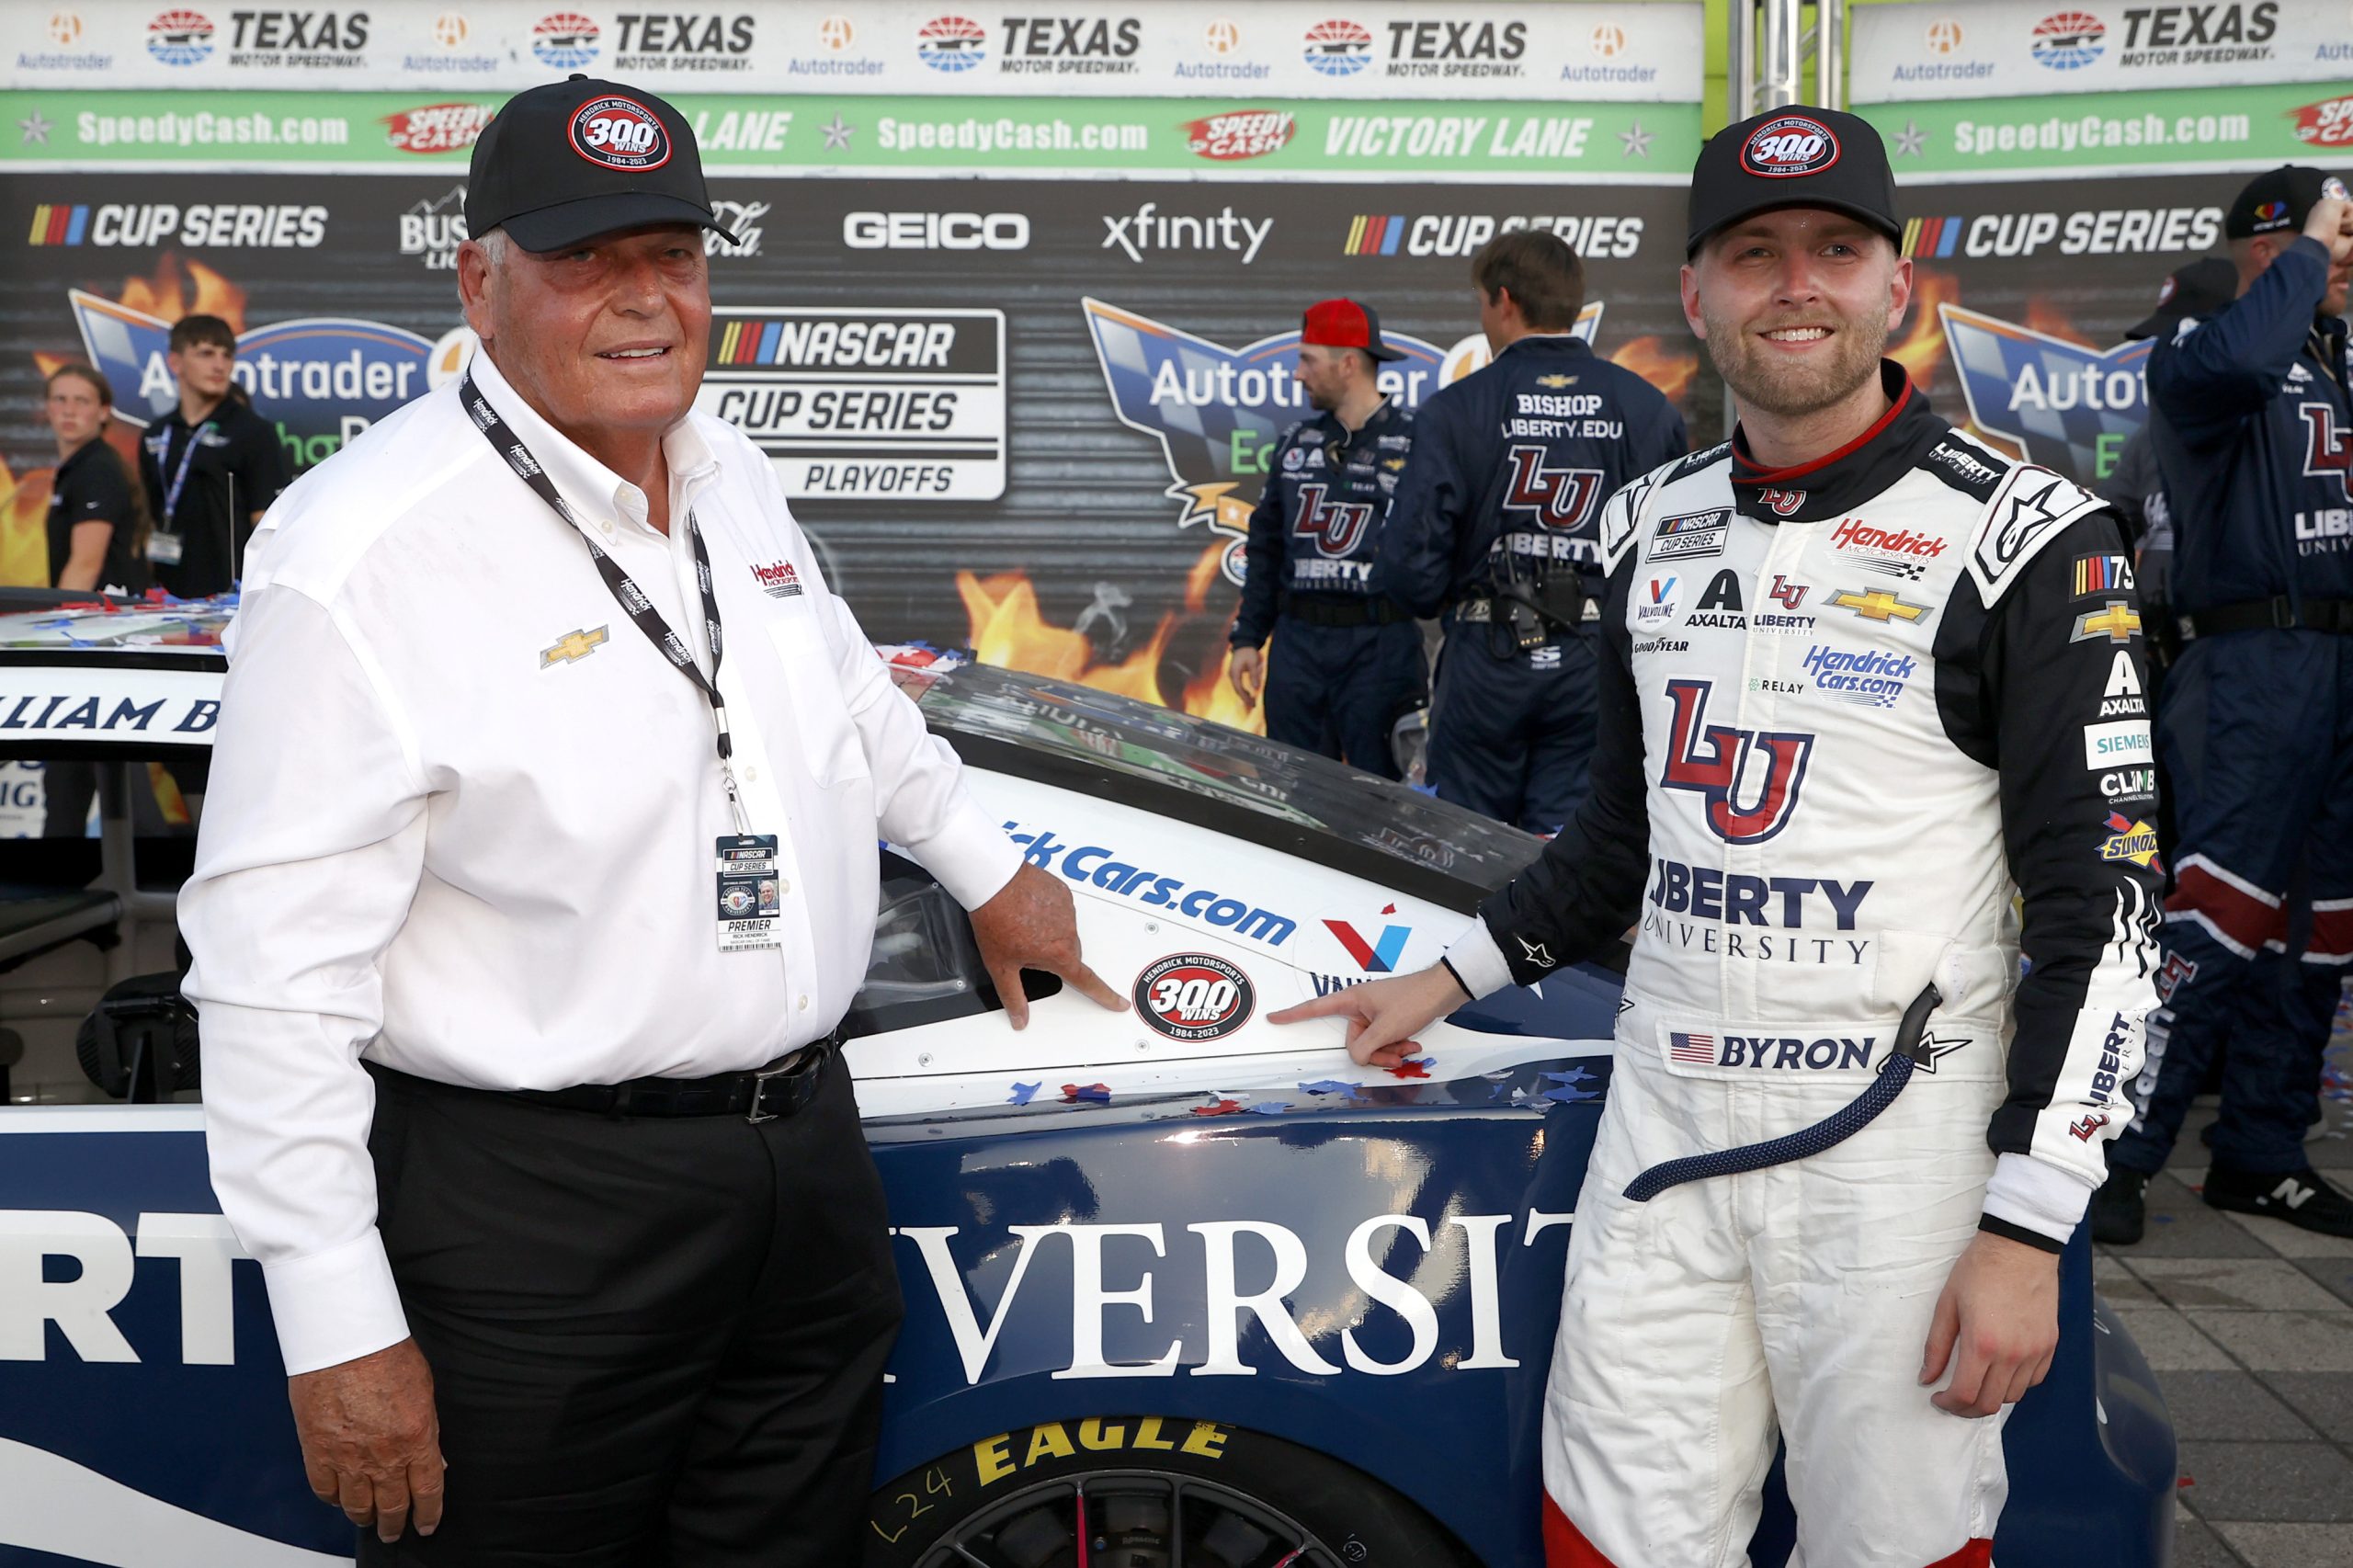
(564, 40)
(180, 37)
(2069, 40)
(64, 29)
(1337, 48)
(952, 43)
(1944, 36)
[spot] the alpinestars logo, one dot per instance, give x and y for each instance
(1560, 499)
(1716, 760)
(1337, 527)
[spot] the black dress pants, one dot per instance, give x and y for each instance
(655, 1342)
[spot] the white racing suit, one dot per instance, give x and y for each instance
(1847, 712)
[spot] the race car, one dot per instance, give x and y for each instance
(1184, 1290)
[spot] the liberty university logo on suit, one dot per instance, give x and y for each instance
(2327, 450)
(1560, 499)
(1337, 527)
(1716, 761)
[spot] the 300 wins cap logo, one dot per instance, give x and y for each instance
(1193, 996)
(619, 133)
(1792, 144)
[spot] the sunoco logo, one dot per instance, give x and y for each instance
(564, 40)
(321, 381)
(180, 37)
(1788, 146)
(1337, 48)
(952, 43)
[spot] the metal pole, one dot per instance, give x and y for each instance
(1783, 49)
(1740, 60)
(1830, 52)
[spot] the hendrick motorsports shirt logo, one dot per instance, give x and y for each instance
(1218, 412)
(2060, 403)
(321, 381)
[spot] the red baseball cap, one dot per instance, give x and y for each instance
(1344, 323)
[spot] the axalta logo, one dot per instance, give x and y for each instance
(1715, 761)
(320, 381)
(180, 37)
(1470, 48)
(616, 133)
(1787, 146)
(1148, 229)
(565, 41)
(778, 580)
(935, 231)
(1085, 46)
(953, 45)
(2068, 41)
(684, 40)
(1336, 48)
(220, 225)
(1247, 133)
(1455, 234)
(437, 128)
(2328, 123)
(313, 39)
(1856, 534)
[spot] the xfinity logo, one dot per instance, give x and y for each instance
(1147, 229)
(935, 231)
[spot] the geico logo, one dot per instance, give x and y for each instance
(935, 231)
(670, 33)
(620, 133)
(298, 29)
(227, 225)
(1591, 236)
(81, 1306)
(1209, 1272)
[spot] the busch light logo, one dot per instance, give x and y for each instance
(180, 37)
(320, 381)
(2058, 402)
(2068, 41)
(565, 41)
(1724, 764)
(1218, 412)
(952, 43)
(1337, 48)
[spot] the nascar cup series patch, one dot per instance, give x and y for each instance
(1194, 997)
(1789, 145)
(619, 133)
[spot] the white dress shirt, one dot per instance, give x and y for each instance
(444, 835)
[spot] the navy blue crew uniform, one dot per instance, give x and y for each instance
(1495, 524)
(2255, 722)
(1347, 662)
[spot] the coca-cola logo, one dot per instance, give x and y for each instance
(1247, 133)
(1789, 145)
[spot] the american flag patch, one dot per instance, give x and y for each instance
(1692, 1050)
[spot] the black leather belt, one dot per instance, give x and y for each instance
(1336, 610)
(2279, 614)
(768, 1094)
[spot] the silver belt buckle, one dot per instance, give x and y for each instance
(756, 1112)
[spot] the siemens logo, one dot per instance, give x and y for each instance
(935, 231)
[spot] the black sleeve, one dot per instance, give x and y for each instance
(1426, 516)
(151, 478)
(99, 493)
(1262, 570)
(261, 467)
(1586, 888)
(2053, 697)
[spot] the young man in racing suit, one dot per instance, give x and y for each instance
(1850, 699)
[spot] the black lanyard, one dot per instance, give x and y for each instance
(631, 598)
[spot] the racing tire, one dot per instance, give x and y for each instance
(1229, 1497)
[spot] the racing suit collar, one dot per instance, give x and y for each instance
(1837, 483)
(1548, 343)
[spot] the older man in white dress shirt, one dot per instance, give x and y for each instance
(527, 901)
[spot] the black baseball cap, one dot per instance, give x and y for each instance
(1793, 156)
(2197, 289)
(1344, 323)
(2282, 198)
(570, 160)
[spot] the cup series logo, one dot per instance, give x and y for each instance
(619, 133)
(1194, 997)
(1788, 146)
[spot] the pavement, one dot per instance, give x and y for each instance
(2247, 1323)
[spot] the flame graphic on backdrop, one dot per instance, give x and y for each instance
(1007, 631)
(165, 294)
(1922, 348)
(1649, 358)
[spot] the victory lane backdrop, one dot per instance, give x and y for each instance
(925, 360)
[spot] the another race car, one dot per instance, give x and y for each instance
(1184, 1290)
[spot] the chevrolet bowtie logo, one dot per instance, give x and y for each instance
(572, 645)
(2118, 623)
(1554, 383)
(1877, 605)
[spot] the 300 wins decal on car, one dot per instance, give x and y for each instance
(1194, 997)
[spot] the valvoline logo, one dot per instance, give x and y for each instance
(320, 380)
(615, 132)
(1376, 956)
(1789, 145)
